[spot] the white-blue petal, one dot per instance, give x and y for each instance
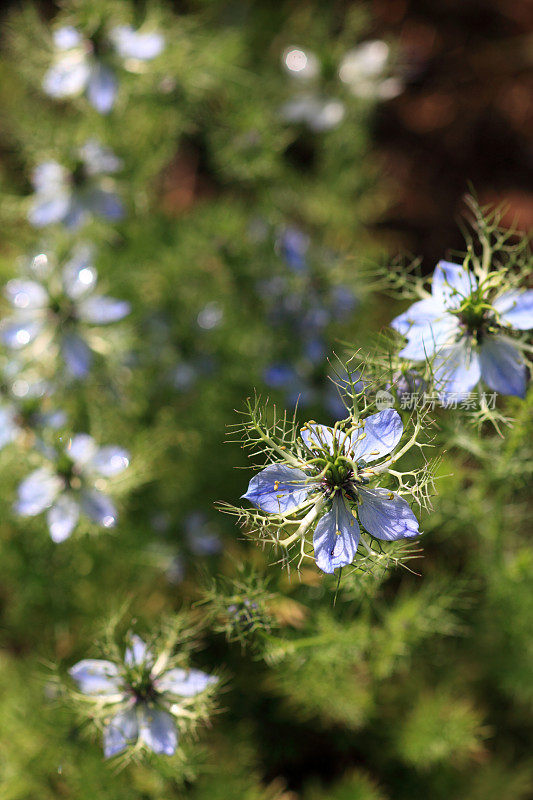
(516, 309)
(62, 517)
(96, 676)
(452, 283)
(100, 310)
(184, 683)
(379, 435)
(425, 339)
(456, 370)
(102, 88)
(49, 177)
(48, 209)
(81, 449)
(503, 367)
(8, 425)
(99, 508)
(68, 76)
(79, 274)
(37, 492)
(99, 160)
(278, 489)
(136, 653)
(17, 333)
(122, 730)
(76, 355)
(24, 294)
(336, 537)
(422, 312)
(386, 515)
(132, 44)
(157, 730)
(66, 37)
(105, 204)
(110, 460)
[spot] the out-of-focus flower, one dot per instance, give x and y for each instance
(143, 697)
(71, 484)
(89, 65)
(364, 70)
(320, 114)
(324, 486)
(202, 538)
(72, 196)
(53, 306)
(465, 330)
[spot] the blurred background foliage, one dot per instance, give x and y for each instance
(246, 255)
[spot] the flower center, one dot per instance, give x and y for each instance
(339, 474)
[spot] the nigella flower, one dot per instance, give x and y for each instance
(466, 329)
(71, 485)
(293, 246)
(22, 407)
(142, 696)
(328, 487)
(72, 196)
(56, 307)
(88, 65)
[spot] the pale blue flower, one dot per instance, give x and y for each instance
(144, 696)
(88, 65)
(466, 333)
(332, 487)
(72, 197)
(53, 306)
(66, 487)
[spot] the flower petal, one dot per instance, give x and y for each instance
(157, 730)
(98, 159)
(319, 437)
(110, 460)
(452, 283)
(336, 537)
(81, 449)
(48, 209)
(184, 683)
(503, 367)
(105, 204)
(37, 492)
(96, 676)
(99, 508)
(516, 309)
(66, 37)
(424, 340)
(422, 312)
(386, 515)
(63, 517)
(99, 310)
(79, 274)
(17, 333)
(102, 88)
(26, 294)
(76, 354)
(456, 370)
(379, 435)
(130, 43)
(8, 425)
(122, 730)
(278, 489)
(137, 652)
(68, 76)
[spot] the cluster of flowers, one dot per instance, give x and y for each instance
(327, 482)
(297, 302)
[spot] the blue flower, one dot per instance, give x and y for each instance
(144, 697)
(53, 307)
(293, 246)
(332, 491)
(466, 333)
(67, 486)
(79, 66)
(72, 197)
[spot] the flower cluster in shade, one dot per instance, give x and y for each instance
(364, 71)
(142, 696)
(71, 484)
(295, 301)
(58, 306)
(331, 490)
(89, 66)
(72, 196)
(466, 333)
